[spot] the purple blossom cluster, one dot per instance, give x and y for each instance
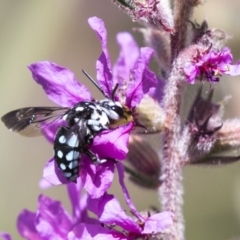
(210, 65)
(51, 220)
(184, 55)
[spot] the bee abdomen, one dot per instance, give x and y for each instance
(67, 153)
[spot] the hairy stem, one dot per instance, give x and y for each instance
(171, 190)
(182, 12)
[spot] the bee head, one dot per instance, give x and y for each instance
(114, 110)
(117, 113)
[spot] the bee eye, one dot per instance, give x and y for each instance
(118, 110)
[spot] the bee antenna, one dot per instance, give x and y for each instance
(95, 84)
(114, 91)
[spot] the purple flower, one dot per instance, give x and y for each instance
(110, 214)
(210, 65)
(53, 78)
(135, 80)
(131, 70)
(51, 220)
(5, 236)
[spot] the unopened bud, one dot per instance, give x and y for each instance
(204, 120)
(228, 137)
(150, 115)
(198, 31)
(215, 38)
(222, 141)
(144, 164)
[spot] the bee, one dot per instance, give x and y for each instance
(82, 122)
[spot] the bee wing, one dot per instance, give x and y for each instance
(29, 121)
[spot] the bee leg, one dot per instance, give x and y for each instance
(94, 158)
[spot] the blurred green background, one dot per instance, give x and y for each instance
(57, 30)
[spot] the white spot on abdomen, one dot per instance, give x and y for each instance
(72, 155)
(59, 153)
(68, 174)
(63, 166)
(73, 164)
(73, 141)
(62, 139)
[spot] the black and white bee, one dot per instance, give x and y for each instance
(84, 121)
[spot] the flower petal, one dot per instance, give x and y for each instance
(52, 174)
(97, 179)
(157, 93)
(59, 83)
(191, 72)
(5, 236)
(51, 219)
(128, 200)
(74, 191)
(209, 65)
(233, 70)
(44, 183)
(26, 225)
(125, 61)
(103, 66)
(94, 232)
(144, 79)
(109, 211)
(113, 143)
(158, 223)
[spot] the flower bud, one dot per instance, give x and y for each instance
(198, 31)
(205, 120)
(228, 137)
(150, 115)
(215, 38)
(144, 164)
(211, 141)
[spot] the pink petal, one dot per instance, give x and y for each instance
(59, 83)
(103, 66)
(5, 236)
(116, 140)
(109, 211)
(233, 70)
(125, 61)
(52, 174)
(74, 193)
(44, 183)
(191, 72)
(144, 79)
(128, 200)
(94, 232)
(158, 223)
(97, 179)
(52, 221)
(26, 225)
(157, 92)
